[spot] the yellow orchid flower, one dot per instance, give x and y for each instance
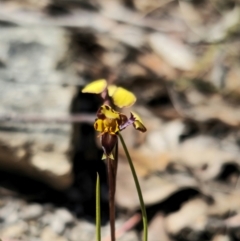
(109, 122)
(120, 96)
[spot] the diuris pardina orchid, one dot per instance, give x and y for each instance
(110, 123)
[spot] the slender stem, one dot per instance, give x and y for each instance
(116, 162)
(143, 209)
(111, 183)
(98, 209)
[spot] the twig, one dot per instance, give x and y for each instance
(35, 119)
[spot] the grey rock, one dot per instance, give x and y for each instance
(84, 230)
(57, 225)
(34, 228)
(8, 211)
(60, 219)
(46, 218)
(49, 235)
(12, 218)
(32, 211)
(16, 230)
(35, 239)
(64, 215)
(30, 84)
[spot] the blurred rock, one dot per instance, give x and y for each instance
(48, 235)
(60, 219)
(12, 218)
(57, 226)
(223, 202)
(175, 222)
(124, 232)
(129, 236)
(15, 231)
(64, 215)
(9, 211)
(84, 230)
(32, 211)
(35, 228)
(31, 84)
(221, 237)
(157, 230)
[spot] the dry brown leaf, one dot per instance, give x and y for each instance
(191, 212)
(155, 188)
(224, 203)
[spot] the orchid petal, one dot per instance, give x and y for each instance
(106, 111)
(123, 98)
(138, 124)
(95, 87)
(99, 125)
(111, 90)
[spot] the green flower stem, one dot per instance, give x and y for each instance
(98, 209)
(143, 209)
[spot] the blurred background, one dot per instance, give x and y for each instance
(180, 58)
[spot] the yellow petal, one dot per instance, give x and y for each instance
(108, 112)
(123, 98)
(111, 89)
(95, 87)
(99, 125)
(138, 124)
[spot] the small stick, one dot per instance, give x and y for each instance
(35, 119)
